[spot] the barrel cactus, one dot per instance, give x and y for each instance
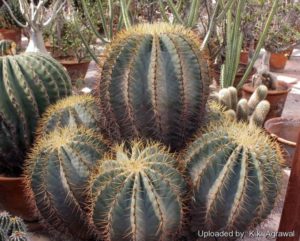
(235, 175)
(137, 195)
(77, 110)
(29, 83)
(154, 84)
(12, 228)
(56, 174)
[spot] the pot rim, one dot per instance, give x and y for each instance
(248, 88)
(5, 178)
(277, 120)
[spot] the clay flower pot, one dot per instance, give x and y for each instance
(14, 200)
(11, 34)
(278, 60)
(285, 131)
(76, 70)
(244, 55)
(276, 98)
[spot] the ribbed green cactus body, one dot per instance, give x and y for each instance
(29, 83)
(3, 236)
(137, 195)
(56, 175)
(154, 84)
(74, 111)
(4, 221)
(235, 175)
(18, 236)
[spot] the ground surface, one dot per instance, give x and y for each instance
(291, 75)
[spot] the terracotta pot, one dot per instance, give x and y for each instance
(244, 56)
(14, 200)
(285, 131)
(278, 61)
(276, 98)
(12, 34)
(76, 70)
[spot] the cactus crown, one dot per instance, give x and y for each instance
(134, 184)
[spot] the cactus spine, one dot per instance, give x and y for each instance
(137, 195)
(56, 175)
(76, 111)
(154, 84)
(29, 83)
(235, 175)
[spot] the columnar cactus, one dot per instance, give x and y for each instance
(56, 173)
(254, 111)
(137, 195)
(235, 174)
(76, 111)
(7, 47)
(29, 83)
(154, 84)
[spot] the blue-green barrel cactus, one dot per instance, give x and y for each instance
(154, 84)
(76, 111)
(137, 194)
(29, 83)
(235, 172)
(56, 174)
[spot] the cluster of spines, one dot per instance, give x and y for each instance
(137, 194)
(12, 228)
(254, 111)
(234, 170)
(56, 173)
(154, 84)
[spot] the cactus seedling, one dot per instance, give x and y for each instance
(76, 111)
(235, 175)
(56, 174)
(154, 84)
(17, 225)
(137, 195)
